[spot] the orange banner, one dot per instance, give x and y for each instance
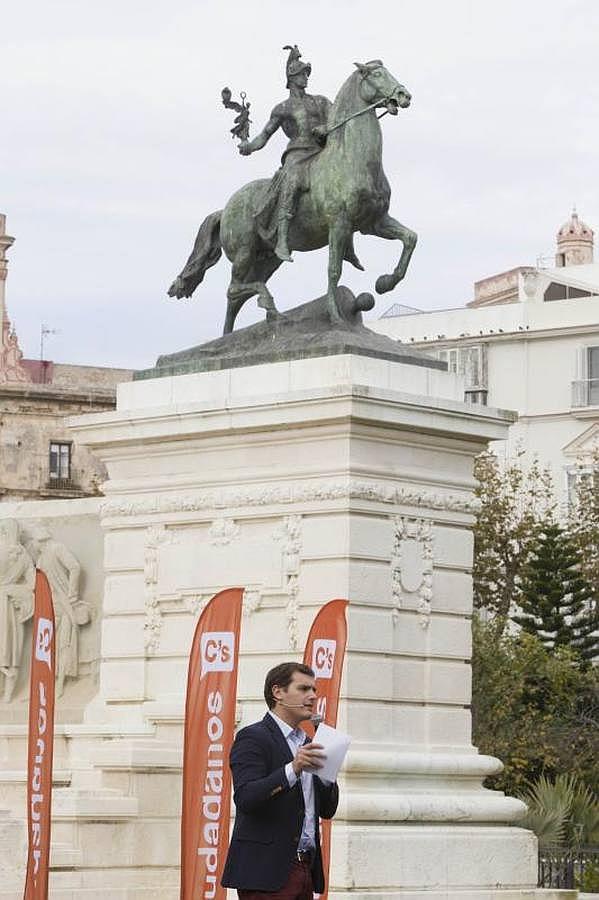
(324, 653)
(41, 741)
(209, 726)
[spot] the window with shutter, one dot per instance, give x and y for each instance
(60, 461)
(593, 375)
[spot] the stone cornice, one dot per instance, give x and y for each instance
(58, 394)
(346, 405)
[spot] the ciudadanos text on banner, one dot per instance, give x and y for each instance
(209, 725)
(324, 653)
(40, 742)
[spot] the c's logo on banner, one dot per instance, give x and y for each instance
(323, 658)
(217, 650)
(43, 641)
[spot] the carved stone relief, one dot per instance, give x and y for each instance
(252, 600)
(223, 531)
(346, 489)
(156, 535)
(177, 560)
(17, 576)
(17, 580)
(290, 535)
(63, 571)
(197, 603)
(11, 355)
(412, 564)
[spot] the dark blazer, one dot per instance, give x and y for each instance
(269, 814)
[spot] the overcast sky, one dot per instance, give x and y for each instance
(114, 147)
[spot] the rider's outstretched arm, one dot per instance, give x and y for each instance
(247, 147)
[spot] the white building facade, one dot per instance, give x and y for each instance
(529, 341)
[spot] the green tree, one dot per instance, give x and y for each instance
(537, 711)
(583, 521)
(514, 501)
(555, 600)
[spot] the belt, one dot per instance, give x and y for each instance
(304, 856)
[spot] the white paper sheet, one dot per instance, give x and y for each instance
(335, 745)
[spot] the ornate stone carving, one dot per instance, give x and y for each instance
(530, 283)
(293, 493)
(252, 600)
(223, 531)
(238, 713)
(156, 536)
(290, 533)
(412, 564)
(164, 597)
(11, 355)
(197, 603)
(17, 576)
(62, 569)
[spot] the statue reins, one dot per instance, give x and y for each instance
(362, 111)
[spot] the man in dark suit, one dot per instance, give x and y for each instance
(275, 846)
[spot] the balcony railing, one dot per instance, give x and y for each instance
(61, 484)
(585, 393)
(562, 867)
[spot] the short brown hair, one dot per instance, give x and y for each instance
(281, 676)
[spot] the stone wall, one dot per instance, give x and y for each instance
(85, 378)
(32, 415)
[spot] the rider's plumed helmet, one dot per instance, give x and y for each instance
(294, 62)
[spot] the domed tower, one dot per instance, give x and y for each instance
(574, 243)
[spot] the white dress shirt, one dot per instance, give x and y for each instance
(295, 737)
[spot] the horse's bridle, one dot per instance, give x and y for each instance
(367, 108)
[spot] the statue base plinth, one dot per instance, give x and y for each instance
(305, 480)
(300, 333)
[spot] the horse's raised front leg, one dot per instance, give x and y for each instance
(242, 288)
(392, 230)
(339, 235)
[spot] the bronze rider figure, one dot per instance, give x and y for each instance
(303, 118)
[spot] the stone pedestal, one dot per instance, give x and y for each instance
(301, 481)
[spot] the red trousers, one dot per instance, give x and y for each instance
(298, 887)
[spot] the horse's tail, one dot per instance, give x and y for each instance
(207, 251)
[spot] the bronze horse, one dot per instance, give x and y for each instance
(348, 192)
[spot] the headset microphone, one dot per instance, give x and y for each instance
(315, 719)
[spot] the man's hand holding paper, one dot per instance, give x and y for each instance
(309, 758)
(334, 746)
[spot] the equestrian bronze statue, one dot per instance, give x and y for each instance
(331, 184)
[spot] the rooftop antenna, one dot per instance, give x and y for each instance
(44, 332)
(544, 261)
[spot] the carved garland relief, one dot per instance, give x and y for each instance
(223, 531)
(412, 565)
(156, 536)
(228, 498)
(290, 534)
